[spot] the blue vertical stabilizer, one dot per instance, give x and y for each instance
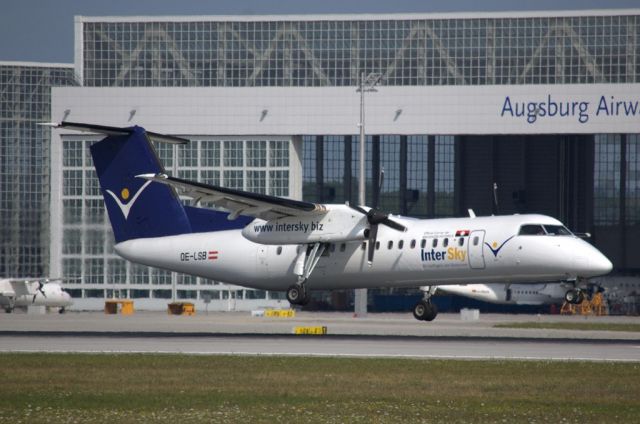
(137, 208)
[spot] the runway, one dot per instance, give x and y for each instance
(335, 346)
(377, 335)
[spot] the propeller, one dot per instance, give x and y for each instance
(375, 218)
(39, 289)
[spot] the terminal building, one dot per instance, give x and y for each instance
(25, 100)
(518, 112)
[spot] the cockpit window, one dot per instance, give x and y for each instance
(532, 230)
(557, 230)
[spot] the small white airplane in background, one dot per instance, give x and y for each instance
(511, 294)
(273, 243)
(612, 288)
(18, 292)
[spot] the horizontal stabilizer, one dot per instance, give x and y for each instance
(116, 131)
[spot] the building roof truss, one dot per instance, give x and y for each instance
(151, 36)
(290, 35)
(420, 32)
(558, 32)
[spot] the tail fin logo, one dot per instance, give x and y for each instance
(126, 208)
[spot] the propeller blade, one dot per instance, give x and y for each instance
(380, 182)
(373, 236)
(358, 208)
(34, 298)
(395, 225)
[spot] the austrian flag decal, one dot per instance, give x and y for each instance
(213, 254)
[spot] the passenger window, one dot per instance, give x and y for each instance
(434, 243)
(343, 246)
(423, 243)
(279, 250)
(476, 239)
(461, 241)
(532, 230)
(400, 244)
(445, 242)
(364, 245)
(413, 244)
(390, 244)
(332, 248)
(377, 245)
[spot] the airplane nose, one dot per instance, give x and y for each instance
(602, 265)
(595, 265)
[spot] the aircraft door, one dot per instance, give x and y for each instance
(475, 250)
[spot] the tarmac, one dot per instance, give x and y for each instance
(337, 323)
(371, 336)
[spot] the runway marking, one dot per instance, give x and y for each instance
(333, 355)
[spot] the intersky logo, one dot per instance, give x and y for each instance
(126, 208)
(495, 249)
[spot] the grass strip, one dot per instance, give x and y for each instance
(95, 388)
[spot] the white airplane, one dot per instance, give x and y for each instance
(613, 289)
(512, 294)
(17, 292)
(273, 243)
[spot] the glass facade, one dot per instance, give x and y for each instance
(324, 51)
(617, 180)
(418, 172)
(87, 240)
(25, 101)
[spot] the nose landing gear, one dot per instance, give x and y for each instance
(574, 296)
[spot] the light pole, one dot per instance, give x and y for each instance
(365, 85)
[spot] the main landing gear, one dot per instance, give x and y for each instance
(424, 310)
(305, 263)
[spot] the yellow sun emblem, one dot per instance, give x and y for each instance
(495, 244)
(124, 193)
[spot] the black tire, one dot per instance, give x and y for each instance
(296, 294)
(570, 296)
(580, 297)
(433, 312)
(420, 310)
(306, 299)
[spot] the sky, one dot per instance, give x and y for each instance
(42, 30)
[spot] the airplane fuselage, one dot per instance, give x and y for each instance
(435, 251)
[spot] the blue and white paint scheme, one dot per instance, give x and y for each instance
(274, 243)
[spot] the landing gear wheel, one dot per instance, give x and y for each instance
(425, 311)
(420, 310)
(574, 296)
(8, 310)
(433, 312)
(62, 310)
(297, 295)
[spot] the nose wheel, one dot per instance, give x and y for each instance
(574, 296)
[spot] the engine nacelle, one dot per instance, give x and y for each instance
(339, 224)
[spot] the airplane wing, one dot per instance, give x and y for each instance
(21, 287)
(239, 202)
